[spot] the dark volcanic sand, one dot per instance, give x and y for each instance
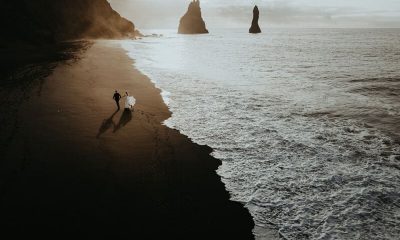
(76, 168)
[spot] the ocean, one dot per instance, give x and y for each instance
(305, 121)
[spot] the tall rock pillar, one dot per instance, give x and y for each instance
(192, 22)
(254, 24)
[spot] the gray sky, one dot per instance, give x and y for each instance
(153, 14)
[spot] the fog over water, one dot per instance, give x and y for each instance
(274, 13)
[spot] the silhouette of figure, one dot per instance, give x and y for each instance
(106, 124)
(125, 118)
(117, 97)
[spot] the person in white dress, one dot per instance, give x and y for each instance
(129, 101)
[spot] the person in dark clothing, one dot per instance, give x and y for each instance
(117, 97)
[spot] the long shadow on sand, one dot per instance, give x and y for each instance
(106, 124)
(126, 117)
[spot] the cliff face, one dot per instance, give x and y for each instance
(192, 22)
(43, 21)
(255, 28)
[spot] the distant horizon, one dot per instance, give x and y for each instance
(278, 27)
(273, 13)
(244, 30)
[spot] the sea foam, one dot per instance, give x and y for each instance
(305, 122)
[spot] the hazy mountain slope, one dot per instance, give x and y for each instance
(54, 20)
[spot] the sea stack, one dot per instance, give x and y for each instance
(192, 22)
(254, 24)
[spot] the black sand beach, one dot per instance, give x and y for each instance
(74, 167)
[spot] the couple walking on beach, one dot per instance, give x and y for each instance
(129, 100)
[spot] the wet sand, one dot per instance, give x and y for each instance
(76, 167)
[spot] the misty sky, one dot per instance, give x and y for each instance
(153, 14)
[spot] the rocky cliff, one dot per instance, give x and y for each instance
(255, 28)
(43, 21)
(192, 22)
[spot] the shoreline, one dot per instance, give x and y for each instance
(76, 167)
